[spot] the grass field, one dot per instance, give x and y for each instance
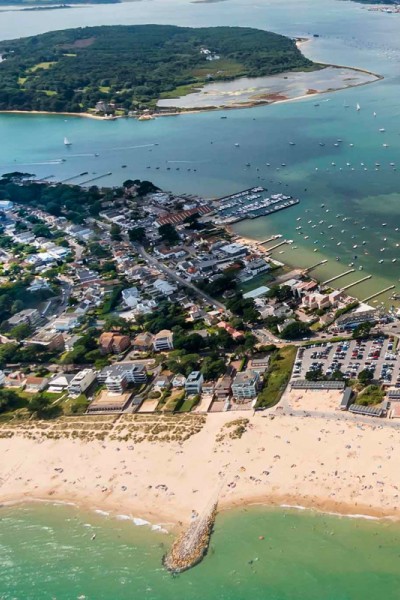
(278, 376)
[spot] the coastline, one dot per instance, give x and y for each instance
(274, 99)
(353, 473)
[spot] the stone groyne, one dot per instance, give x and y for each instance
(191, 546)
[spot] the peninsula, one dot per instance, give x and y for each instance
(121, 70)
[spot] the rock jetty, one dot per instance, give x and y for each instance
(191, 546)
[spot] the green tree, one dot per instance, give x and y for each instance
(295, 330)
(365, 376)
(137, 234)
(21, 331)
(115, 232)
(168, 233)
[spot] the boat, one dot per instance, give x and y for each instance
(292, 144)
(67, 142)
(237, 145)
(358, 107)
(382, 130)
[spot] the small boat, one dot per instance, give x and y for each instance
(382, 130)
(237, 145)
(292, 144)
(381, 261)
(67, 142)
(358, 107)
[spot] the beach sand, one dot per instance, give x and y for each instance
(331, 465)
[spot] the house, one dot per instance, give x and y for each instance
(162, 382)
(39, 283)
(29, 316)
(208, 388)
(234, 250)
(131, 297)
(316, 301)
(362, 314)
(51, 340)
(35, 384)
(231, 330)
(179, 381)
(66, 323)
(163, 340)
(133, 372)
(111, 342)
(246, 385)
(109, 402)
(143, 342)
(15, 379)
(59, 383)
(165, 288)
(194, 383)
(223, 387)
(81, 381)
(259, 365)
(117, 383)
(71, 341)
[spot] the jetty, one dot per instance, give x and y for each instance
(391, 287)
(191, 545)
(338, 276)
(347, 287)
(276, 246)
(95, 178)
(318, 264)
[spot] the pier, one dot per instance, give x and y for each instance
(318, 264)
(95, 178)
(74, 177)
(347, 287)
(276, 246)
(270, 239)
(337, 277)
(391, 287)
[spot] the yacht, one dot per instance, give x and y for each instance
(358, 107)
(67, 142)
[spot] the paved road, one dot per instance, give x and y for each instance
(173, 275)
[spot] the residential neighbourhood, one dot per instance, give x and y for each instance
(146, 305)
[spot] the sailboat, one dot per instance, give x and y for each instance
(358, 107)
(67, 142)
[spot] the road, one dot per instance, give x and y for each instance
(178, 279)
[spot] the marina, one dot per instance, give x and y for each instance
(250, 204)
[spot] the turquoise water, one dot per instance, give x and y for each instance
(47, 552)
(349, 35)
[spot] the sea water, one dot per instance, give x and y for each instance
(62, 553)
(197, 153)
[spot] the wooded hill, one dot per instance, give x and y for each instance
(133, 66)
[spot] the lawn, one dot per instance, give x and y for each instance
(277, 377)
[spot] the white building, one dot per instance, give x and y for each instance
(6, 205)
(163, 340)
(131, 297)
(82, 381)
(245, 386)
(164, 287)
(194, 383)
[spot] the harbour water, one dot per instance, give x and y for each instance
(48, 552)
(197, 152)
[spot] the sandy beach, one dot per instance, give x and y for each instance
(332, 465)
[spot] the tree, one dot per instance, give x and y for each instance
(362, 331)
(41, 230)
(213, 367)
(21, 331)
(9, 400)
(41, 405)
(137, 234)
(280, 292)
(295, 330)
(315, 375)
(365, 376)
(190, 343)
(168, 233)
(115, 232)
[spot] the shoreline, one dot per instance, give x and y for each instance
(243, 105)
(273, 464)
